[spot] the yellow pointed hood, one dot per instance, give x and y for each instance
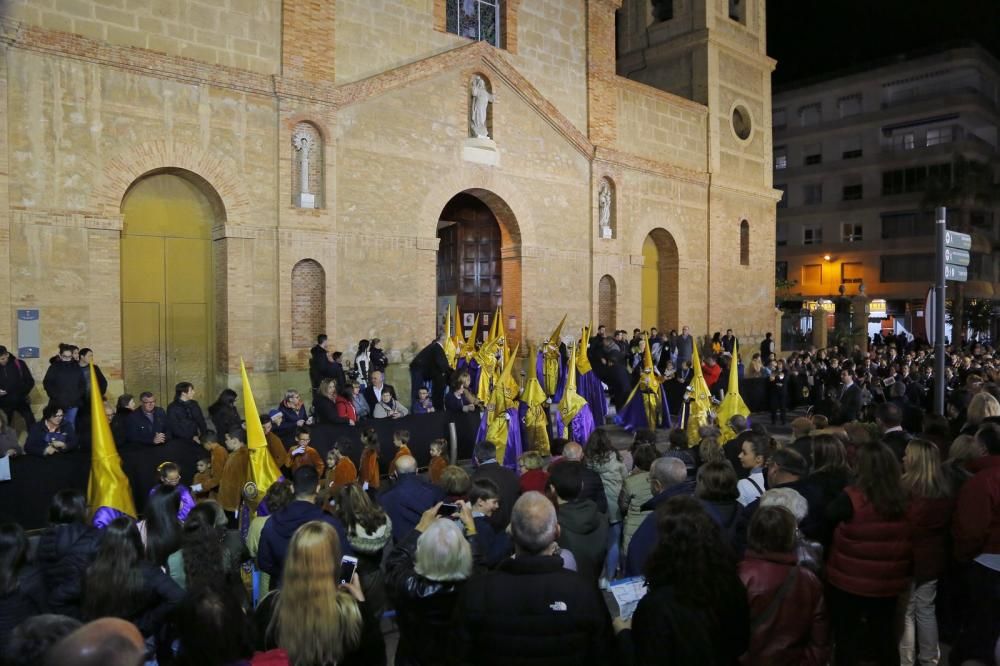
(449, 342)
(107, 486)
(263, 470)
(732, 404)
(533, 394)
(701, 398)
(582, 362)
(557, 333)
(571, 402)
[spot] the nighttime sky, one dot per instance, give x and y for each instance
(811, 38)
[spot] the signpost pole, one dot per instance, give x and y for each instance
(941, 216)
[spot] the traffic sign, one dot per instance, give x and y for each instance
(956, 257)
(956, 273)
(958, 241)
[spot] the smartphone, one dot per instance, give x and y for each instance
(348, 565)
(447, 510)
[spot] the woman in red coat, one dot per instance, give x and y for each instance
(929, 513)
(870, 560)
(788, 620)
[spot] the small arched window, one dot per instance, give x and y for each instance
(607, 302)
(744, 243)
(308, 302)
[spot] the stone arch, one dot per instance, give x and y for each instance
(744, 243)
(306, 135)
(607, 303)
(308, 302)
(660, 280)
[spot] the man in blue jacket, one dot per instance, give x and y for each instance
(148, 424)
(408, 498)
(280, 527)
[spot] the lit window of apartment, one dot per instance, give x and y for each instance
(781, 234)
(810, 114)
(812, 194)
(939, 135)
(851, 232)
(783, 201)
(850, 147)
(779, 119)
(812, 235)
(852, 272)
(853, 192)
(849, 105)
(812, 274)
(780, 158)
(812, 153)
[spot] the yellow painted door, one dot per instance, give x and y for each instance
(650, 284)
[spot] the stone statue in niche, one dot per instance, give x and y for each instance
(481, 99)
(303, 144)
(604, 208)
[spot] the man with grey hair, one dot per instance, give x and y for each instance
(531, 608)
(667, 478)
(408, 498)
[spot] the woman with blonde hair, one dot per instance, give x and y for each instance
(982, 407)
(314, 619)
(929, 513)
(962, 450)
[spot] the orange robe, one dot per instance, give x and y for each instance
(309, 457)
(369, 468)
(404, 450)
(277, 449)
(235, 475)
(343, 474)
(209, 486)
(436, 468)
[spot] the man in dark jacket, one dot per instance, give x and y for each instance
(593, 487)
(65, 550)
(373, 392)
(16, 383)
(487, 467)
(64, 382)
(408, 498)
(849, 398)
(148, 424)
(889, 418)
(184, 416)
(531, 609)
(319, 364)
(583, 530)
(280, 527)
(430, 365)
(667, 478)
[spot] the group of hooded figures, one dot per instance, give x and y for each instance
(562, 393)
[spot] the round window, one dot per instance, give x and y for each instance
(741, 122)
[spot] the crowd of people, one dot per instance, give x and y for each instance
(870, 535)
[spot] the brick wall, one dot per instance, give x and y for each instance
(308, 303)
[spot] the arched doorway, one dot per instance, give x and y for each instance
(660, 281)
(168, 282)
(478, 262)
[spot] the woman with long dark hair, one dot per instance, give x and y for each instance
(369, 531)
(223, 412)
(695, 610)
(363, 362)
(202, 560)
(65, 550)
(870, 559)
(121, 584)
(160, 529)
(22, 590)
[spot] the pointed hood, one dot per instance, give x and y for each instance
(571, 401)
(533, 394)
(557, 333)
(647, 356)
(263, 471)
(505, 390)
(700, 406)
(107, 487)
(582, 362)
(732, 404)
(449, 341)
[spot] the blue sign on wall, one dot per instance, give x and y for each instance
(29, 338)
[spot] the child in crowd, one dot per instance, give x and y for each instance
(302, 453)
(438, 461)
(170, 475)
(218, 455)
(368, 475)
(401, 440)
(274, 444)
(341, 469)
(235, 473)
(423, 405)
(205, 486)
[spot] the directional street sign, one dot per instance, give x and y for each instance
(956, 273)
(956, 257)
(957, 240)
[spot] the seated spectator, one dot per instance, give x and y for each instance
(325, 404)
(293, 417)
(52, 435)
(31, 640)
(8, 438)
(65, 550)
(753, 458)
(695, 610)
(340, 468)
(388, 407)
(314, 618)
(212, 628)
(636, 492)
(302, 453)
(455, 482)
(170, 475)
(401, 442)
(788, 619)
(184, 417)
(460, 399)
(120, 583)
(278, 496)
(406, 501)
(583, 530)
(484, 497)
(22, 588)
(533, 476)
(107, 641)
(484, 455)
(667, 478)
(369, 532)
(424, 574)
(438, 461)
(423, 404)
(147, 426)
(507, 616)
(279, 528)
(223, 412)
(345, 405)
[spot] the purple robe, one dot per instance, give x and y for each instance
(580, 428)
(633, 415)
(515, 445)
(187, 501)
(474, 373)
(588, 385)
(104, 515)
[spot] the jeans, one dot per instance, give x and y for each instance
(920, 626)
(69, 415)
(614, 550)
